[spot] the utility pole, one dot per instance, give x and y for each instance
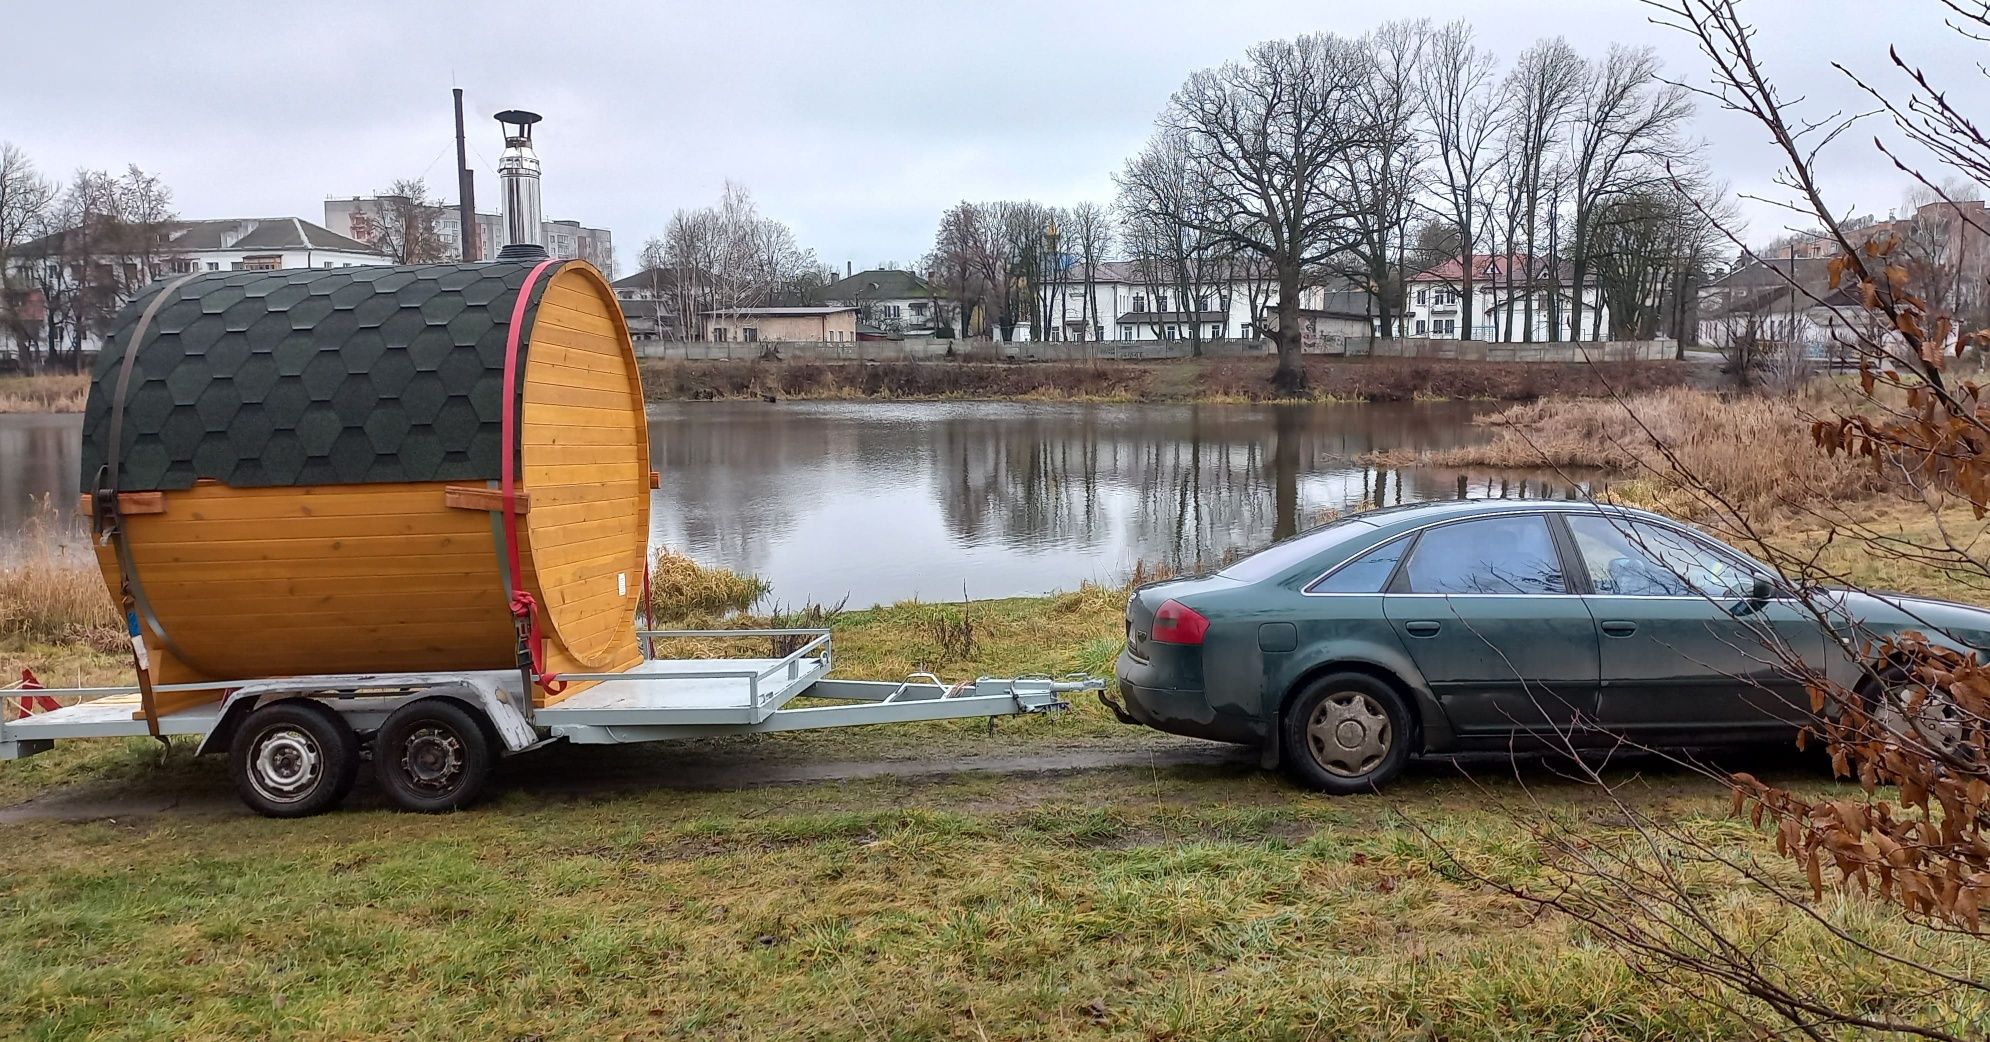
(466, 192)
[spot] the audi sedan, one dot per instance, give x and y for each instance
(1493, 625)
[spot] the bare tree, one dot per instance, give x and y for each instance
(106, 237)
(407, 224)
(1541, 94)
(27, 201)
(1388, 179)
(728, 258)
(1168, 215)
(1090, 232)
(961, 264)
(1913, 729)
(1462, 112)
(1266, 135)
(1626, 128)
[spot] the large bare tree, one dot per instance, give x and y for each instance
(1169, 217)
(1266, 135)
(1462, 113)
(27, 204)
(1388, 179)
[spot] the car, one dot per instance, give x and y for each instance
(1495, 625)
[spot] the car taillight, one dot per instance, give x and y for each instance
(1177, 623)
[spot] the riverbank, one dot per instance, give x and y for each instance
(1185, 380)
(49, 392)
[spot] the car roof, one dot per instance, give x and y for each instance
(1418, 514)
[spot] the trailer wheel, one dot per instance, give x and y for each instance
(293, 759)
(432, 756)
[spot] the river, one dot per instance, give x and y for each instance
(881, 501)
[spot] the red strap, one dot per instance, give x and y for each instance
(36, 703)
(523, 606)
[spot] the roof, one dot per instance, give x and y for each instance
(1510, 265)
(876, 284)
(309, 376)
(1765, 285)
(260, 233)
(831, 309)
(233, 233)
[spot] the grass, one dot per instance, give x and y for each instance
(1756, 451)
(50, 589)
(50, 392)
(1174, 904)
(1219, 380)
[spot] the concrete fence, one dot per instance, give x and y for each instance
(926, 348)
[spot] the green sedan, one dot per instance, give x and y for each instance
(1489, 626)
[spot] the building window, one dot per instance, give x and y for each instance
(719, 333)
(1215, 331)
(1170, 333)
(214, 265)
(1160, 302)
(1139, 302)
(1423, 296)
(1422, 327)
(261, 262)
(750, 334)
(1250, 331)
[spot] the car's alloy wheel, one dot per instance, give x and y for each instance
(1346, 733)
(1911, 711)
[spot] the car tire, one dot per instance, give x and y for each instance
(293, 759)
(1938, 726)
(1346, 733)
(432, 757)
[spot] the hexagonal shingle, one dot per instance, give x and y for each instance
(313, 376)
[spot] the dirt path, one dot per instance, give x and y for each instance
(203, 791)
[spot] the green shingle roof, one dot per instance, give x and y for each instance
(311, 376)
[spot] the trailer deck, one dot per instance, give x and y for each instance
(658, 699)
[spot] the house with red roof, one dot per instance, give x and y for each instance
(1513, 295)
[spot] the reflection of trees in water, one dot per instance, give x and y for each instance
(1187, 484)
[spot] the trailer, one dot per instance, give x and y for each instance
(295, 745)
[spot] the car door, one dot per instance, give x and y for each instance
(1484, 608)
(1686, 653)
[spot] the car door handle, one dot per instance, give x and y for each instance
(1619, 629)
(1421, 628)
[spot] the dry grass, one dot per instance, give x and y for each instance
(1756, 452)
(51, 392)
(682, 589)
(51, 591)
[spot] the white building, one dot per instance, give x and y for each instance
(565, 239)
(1436, 300)
(46, 268)
(1128, 302)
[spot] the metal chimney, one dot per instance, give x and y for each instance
(518, 187)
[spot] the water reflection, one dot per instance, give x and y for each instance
(882, 501)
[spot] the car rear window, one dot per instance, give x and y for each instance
(1285, 555)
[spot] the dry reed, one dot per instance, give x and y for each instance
(1756, 452)
(682, 589)
(51, 392)
(50, 588)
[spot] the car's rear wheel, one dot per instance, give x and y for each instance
(1920, 716)
(1346, 733)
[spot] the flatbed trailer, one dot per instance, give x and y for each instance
(295, 743)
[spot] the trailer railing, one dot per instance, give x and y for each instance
(758, 690)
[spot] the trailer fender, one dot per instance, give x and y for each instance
(366, 712)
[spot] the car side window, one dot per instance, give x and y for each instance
(1494, 555)
(1364, 574)
(1636, 559)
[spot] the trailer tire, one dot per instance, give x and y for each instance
(293, 759)
(432, 756)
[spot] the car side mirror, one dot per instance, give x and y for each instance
(1760, 593)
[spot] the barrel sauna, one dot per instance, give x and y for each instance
(308, 470)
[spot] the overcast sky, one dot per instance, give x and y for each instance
(855, 122)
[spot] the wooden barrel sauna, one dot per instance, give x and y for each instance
(309, 468)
